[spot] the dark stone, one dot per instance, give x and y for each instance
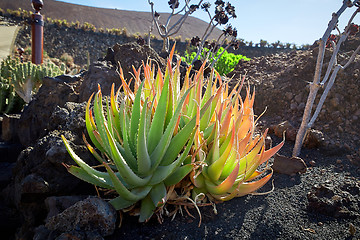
(73, 235)
(56, 205)
(5, 173)
(9, 127)
(100, 73)
(90, 215)
(39, 171)
(197, 65)
(70, 117)
(9, 221)
(288, 166)
(287, 128)
(336, 201)
(104, 74)
(31, 186)
(132, 54)
(288, 74)
(35, 118)
(313, 139)
(110, 56)
(9, 152)
(42, 233)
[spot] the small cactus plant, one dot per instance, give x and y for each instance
(20, 80)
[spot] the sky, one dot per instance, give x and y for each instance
(299, 22)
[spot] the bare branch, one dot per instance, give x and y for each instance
(314, 86)
(352, 58)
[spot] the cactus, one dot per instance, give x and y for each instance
(9, 102)
(18, 82)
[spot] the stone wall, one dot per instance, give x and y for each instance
(80, 43)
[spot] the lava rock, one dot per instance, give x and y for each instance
(288, 166)
(31, 185)
(336, 201)
(35, 117)
(288, 128)
(90, 215)
(56, 205)
(9, 221)
(99, 73)
(39, 172)
(132, 54)
(9, 128)
(281, 77)
(313, 139)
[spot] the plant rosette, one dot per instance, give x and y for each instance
(161, 132)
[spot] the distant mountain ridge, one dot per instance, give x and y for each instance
(134, 22)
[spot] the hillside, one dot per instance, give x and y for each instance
(108, 18)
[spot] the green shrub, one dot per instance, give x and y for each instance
(224, 65)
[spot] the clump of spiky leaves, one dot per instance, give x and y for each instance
(161, 132)
(229, 151)
(142, 142)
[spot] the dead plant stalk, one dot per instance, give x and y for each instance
(333, 69)
(165, 31)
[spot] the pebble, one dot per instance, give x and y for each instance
(312, 163)
(347, 146)
(338, 161)
(352, 229)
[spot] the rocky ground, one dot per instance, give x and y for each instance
(42, 201)
(281, 84)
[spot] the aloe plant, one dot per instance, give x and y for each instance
(160, 132)
(142, 142)
(229, 151)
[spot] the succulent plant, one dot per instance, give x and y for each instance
(229, 151)
(27, 77)
(161, 131)
(9, 101)
(142, 143)
(19, 80)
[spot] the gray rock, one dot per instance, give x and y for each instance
(287, 128)
(56, 205)
(9, 127)
(100, 73)
(335, 201)
(34, 184)
(314, 138)
(89, 215)
(35, 117)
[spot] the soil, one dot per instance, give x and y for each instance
(296, 208)
(281, 214)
